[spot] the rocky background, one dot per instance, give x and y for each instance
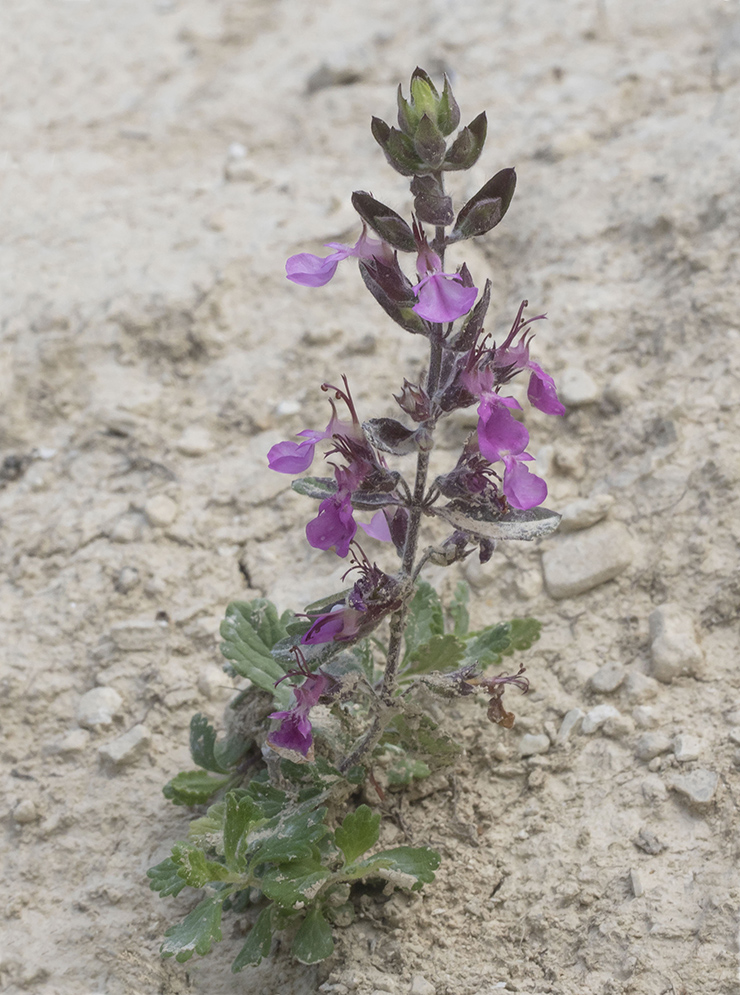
(160, 161)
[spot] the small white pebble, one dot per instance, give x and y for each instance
(595, 718)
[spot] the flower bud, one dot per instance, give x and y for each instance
(467, 147)
(425, 99)
(415, 401)
(486, 208)
(429, 144)
(382, 219)
(398, 148)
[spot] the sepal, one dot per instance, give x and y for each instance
(467, 147)
(486, 208)
(431, 204)
(384, 221)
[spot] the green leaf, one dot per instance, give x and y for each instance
(258, 942)
(439, 653)
(313, 941)
(489, 645)
(420, 735)
(208, 753)
(193, 787)
(250, 630)
(271, 800)
(195, 868)
(319, 488)
(404, 770)
(196, 933)
(288, 838)
(363, 653)
(241, 815)
(425, 618)
(165, 878)
(417, 861)
(458, 610)
(358, 832)
(295, 881)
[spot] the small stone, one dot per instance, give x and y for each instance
(736, 758)
(686, 748)
(136, 635)
(528, 584)
(582, 561)
(127, 580)
(651, 745)
(420, 986)
(608, 678)
(653, 790)
(98, 707)
(618, 727)
(128, 528)
(698, 787)
(735, 736)
(74, 742)
(585, 512)
(648, 842)
(213, 683)
(640, 688)
(576, 387)
(571, 722)
(623, 388)
(25, 812)
(533, 743)
(126, 748)
(288, 406)
(638, 889)
(160, 510)
(596, 717)
(644, 717)
(195, 441)
(674, 649)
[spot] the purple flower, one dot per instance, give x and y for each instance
(542, 393)
(339, 625)
(378, 527)
(522, 489)
(502, 437)
(309, 270)
(295, 728)
(295, 457)
(442, 296)
(334, 525)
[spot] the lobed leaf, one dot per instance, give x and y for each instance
(440, 653)
(313, 941)
(458, 610)
(194, 787)
(425, 618)
(249, 631)
(359, 831)
(196, 933)
(194, 867)
(258, 942)
(165, 878)
(294, 881)
(416, 861)
(242, 814)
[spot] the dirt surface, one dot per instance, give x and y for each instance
(160, 161)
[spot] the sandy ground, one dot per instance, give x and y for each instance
(152, 349)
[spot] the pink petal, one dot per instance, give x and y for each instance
(309, 270)
(499, 433)
(377, 527)
(443, 298)
(522, 489)
(542, 392)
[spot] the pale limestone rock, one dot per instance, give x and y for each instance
(576, 387)
(638, 889)
(582, 561)
(596, 717)
(644, 717)
(127, 580)
(420, 986)
(136, 635)
(24, 812)
(126, 748)
(585, 512)
(74, 742)
(618, 726)
(533, 743)
(98, 707)
(195, 441)
(686, 748)
(608, 678)
(698, 787)
(674, 649)
(571, 722)
(651, 745)
(653, 789)
(640, 688)
(160, 510)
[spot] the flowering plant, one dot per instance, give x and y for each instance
(341, 697)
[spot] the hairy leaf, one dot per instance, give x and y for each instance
(458, 610)
(250, 630)
(404, 770)
(194, 787)
(489, 645)
(440, 653)
(295, 881)
(417, 861)
(258, 942)
(425, 618)
(194, 867)
(196, 933)
(358, 832)
(241, 815)
(210, 754)
(313, 941)
(165, 878)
